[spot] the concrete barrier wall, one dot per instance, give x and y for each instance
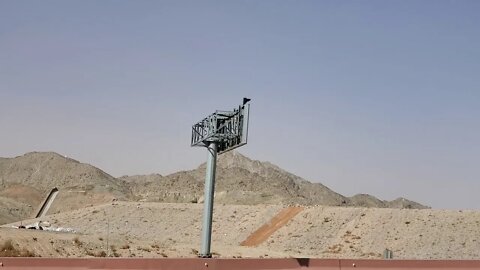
(230, 264)
(47, 202)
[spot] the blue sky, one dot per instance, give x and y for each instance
(378, 97)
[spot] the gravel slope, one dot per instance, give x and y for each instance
(173, 230)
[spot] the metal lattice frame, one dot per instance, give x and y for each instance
(229, 129)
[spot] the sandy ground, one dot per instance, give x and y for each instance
(367, 232)
(128, 229)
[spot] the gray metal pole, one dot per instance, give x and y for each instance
(208, 201)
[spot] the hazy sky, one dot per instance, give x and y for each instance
(379, 97)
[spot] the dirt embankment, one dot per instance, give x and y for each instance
(159, 229)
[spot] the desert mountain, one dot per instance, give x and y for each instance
(45, 170)
(241, 180)
(27, 179)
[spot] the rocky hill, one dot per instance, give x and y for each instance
(45, 170)
(241, 180)
(25, 181)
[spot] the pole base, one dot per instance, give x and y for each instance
(204, 256)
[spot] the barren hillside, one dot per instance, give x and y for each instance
(139, 229)
(12, 210)
(241, 180)
(27, 179)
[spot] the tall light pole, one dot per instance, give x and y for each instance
(219, 132)
(208, 202)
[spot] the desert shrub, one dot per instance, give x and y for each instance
(7, 249)
(77, 242)
(98, 254)
(146, 249)
(8, 245)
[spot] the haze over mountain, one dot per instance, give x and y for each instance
(25, 181)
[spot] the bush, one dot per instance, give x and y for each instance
(77, 242)
(7, 249)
